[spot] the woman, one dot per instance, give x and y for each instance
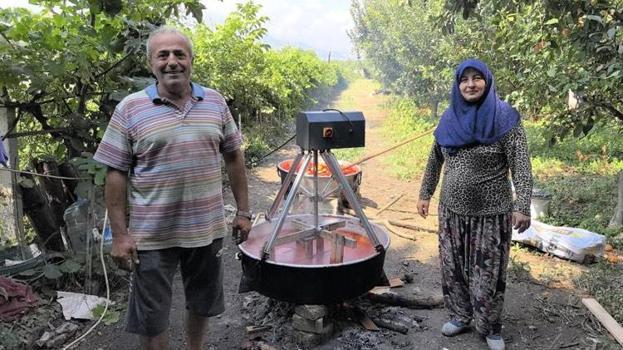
(479, 138)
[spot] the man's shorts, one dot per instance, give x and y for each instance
(150, 294)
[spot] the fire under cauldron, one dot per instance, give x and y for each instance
(315, 258)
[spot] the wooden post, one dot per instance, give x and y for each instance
(617, 218)
(8, 182)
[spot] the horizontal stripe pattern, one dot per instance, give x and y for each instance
(174, 165)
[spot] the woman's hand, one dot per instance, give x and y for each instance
(520, 221)
(422, 207)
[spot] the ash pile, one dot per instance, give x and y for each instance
(367, 322)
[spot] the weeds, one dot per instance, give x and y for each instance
(518, 271)
(349, 154)
(605, 283)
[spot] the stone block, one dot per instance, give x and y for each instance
(303, 324)
(311, 312)
(309, 340)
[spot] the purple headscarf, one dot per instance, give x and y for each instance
(484, 122)
(3, 155)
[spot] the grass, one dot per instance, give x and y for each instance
(518, 271)
(349, 154)
(605, 283)
(405, 120)
(580, 174)
(347, 102)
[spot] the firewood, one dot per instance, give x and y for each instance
(396, 282)
(390, 203)
(411, 303)
(397, 232)
(391, 325)
(257, 329)
(410, 226)
(360, 316)
(604, 317)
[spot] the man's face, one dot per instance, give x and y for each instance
(171, 61)
(472, 85)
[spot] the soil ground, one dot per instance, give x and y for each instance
(542, 311)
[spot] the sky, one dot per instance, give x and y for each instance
(319, 25)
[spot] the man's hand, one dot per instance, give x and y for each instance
(124, 252)
(422, 207)
(520, 221)
(240, 229)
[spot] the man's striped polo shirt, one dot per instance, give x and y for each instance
(173, 161)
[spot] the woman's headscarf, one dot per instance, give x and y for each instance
(483, 122)
(3, 155)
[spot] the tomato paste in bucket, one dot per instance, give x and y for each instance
(351, 172)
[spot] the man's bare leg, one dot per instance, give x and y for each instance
(195, 329)
(159, 342)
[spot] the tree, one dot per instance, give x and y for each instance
(574, 45)
(66, 67)
(257, 82)
(401, 42)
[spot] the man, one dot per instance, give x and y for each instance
(165, 142)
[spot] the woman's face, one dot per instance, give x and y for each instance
(472, 85)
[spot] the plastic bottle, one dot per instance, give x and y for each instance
(76, 218)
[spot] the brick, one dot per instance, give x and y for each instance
(303, 324)
(309, 340)
(311, 312)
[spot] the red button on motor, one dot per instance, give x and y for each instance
(327, 133)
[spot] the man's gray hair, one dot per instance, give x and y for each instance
(163, 30)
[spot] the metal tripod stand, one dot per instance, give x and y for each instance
(309, 232)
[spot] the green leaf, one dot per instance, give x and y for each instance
(111, 316)
(100, 177)
(26, 182)
(197, 10)
(551, 21)
(615, 74)
(595, 18)
(70, 266)
(52, 272)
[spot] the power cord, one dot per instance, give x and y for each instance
(350, 123)
(256, 162)
(107, 289)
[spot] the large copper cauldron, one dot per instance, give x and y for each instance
(289, 274)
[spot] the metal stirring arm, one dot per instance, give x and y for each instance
(289, 200)
(284, 187)
(337, 174)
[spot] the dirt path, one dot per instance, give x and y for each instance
(535, 317)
